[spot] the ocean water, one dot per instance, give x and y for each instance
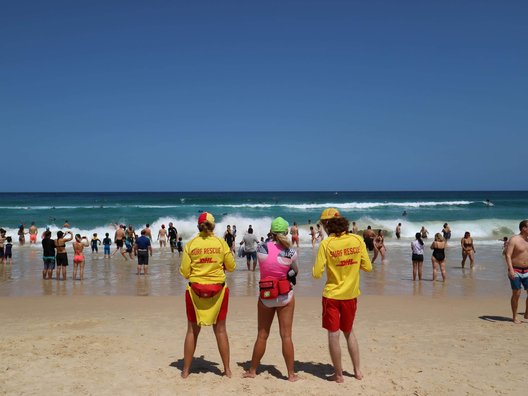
(98, 212)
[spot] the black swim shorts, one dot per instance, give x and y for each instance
(62, 259)
(143, 257)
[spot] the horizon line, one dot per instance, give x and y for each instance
(247, 191)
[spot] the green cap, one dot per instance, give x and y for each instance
(279, 225)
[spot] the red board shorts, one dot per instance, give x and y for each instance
(339, 314)
(191, 315)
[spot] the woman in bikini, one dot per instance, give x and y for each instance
(438, 257)
(313, 235)
(379, 247)
(162, 237)
(21, 234)
(61, 258)
(468, 250)
(78, 256)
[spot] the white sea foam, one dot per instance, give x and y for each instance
(350, 205)
(311, 206)
(373, 205)
(484, 229)
(488, 229)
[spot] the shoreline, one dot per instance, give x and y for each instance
(394, 277)
(117, 277)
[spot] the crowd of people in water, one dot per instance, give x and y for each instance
(342, 253)
(125, 239)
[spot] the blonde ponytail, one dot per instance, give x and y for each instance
(283, 240)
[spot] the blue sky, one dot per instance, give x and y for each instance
(263, 95)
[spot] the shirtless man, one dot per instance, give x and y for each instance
(398, 231)
(61, 257)
(354, 228)
(33, 231)
(119, 239)
(368, 237)
(517, 261)
(148, 231)
(294, 231)
(130, 233)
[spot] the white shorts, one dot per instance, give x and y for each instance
(280, 301)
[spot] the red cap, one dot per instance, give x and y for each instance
(206, 216)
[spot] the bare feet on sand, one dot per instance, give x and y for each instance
(337, 378)
(253, 374)
(226, 373)
(340, 379)
(249, 374)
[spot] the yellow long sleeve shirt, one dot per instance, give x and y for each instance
(205, 258)
(343, 256)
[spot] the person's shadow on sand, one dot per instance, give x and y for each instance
(199, 365)
(492, 318)
(319, 370)
(270, 369)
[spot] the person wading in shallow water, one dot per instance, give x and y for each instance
(62, 257)
(517, 262)
(468, 250)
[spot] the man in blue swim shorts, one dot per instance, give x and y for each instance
(517, 261)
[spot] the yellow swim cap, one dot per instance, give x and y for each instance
(330, 213)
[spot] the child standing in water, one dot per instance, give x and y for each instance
(95, 241)
(8, 251)
(179, 245)
(107, 242)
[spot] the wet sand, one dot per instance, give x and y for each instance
(118, 277)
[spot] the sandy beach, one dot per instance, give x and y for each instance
(119, 333)
(134, 345)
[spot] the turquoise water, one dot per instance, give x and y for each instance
(97, 212)
(91, 212)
